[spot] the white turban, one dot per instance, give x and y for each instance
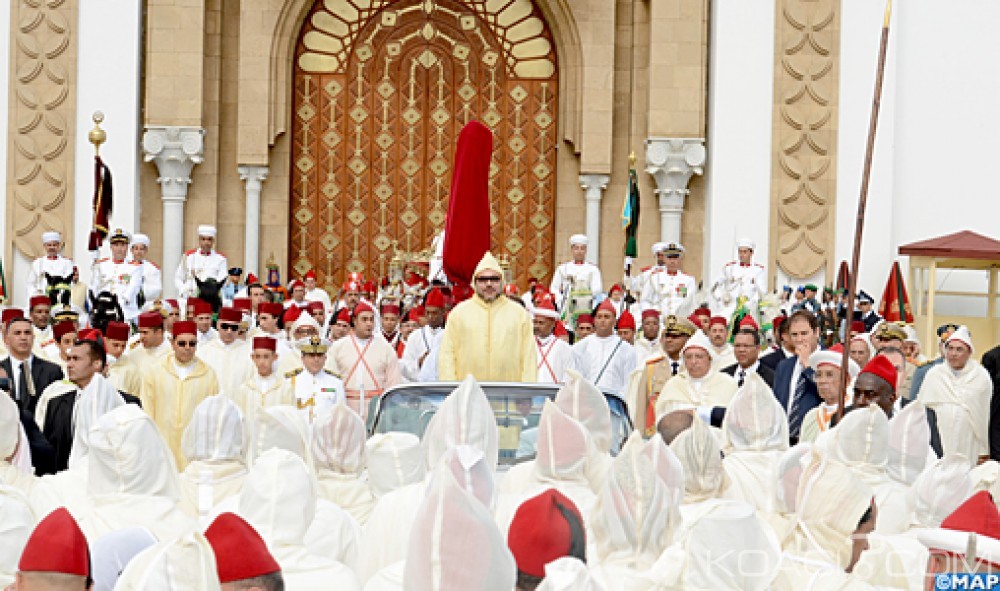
(51, 237)
(141, 239)
(206, 230)
(579, 239)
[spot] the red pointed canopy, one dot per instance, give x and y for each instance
(467, 229)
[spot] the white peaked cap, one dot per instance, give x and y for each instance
(940, 489)
(338, 440)
(568, 573)
(731, 547)
(754, 420)
(963, 336)
(455, 543)
(394, 460)
(182, 563)
(579, 239)
(464, 418)
(745, 243)
(584, 402)
(909, 439)
(206, 230)
(140, 239)
(215, 431)
(129, 456)
(51, 237)
(658, 247)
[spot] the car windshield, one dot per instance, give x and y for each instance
(517, 409)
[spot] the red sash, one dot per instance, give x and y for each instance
(545, 358)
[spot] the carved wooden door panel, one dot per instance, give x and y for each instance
(382, 89)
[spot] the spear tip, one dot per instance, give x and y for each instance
(888, 13)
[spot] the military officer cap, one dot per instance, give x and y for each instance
(674, 326)
(313, 346)
(659, 247)
(120, 235)
(673, 248)
(864, 298)
(889, 331)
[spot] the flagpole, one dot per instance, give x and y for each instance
(863, 202)
(626, 280)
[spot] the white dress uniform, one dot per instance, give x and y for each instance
(57, 266)
(152, 281)
(122, 278)
(203, 266)
(737, 280)
(423, 340)
(571, 272)
(669, 293)
(315, 392)
(555, 356)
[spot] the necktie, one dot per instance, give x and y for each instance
(794, 417)
(18, 382)
(743, 375)
(673, 368)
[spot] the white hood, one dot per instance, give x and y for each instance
(111, 553)
(281, 427)
(16, 524)
(791, 466)
(128, 456)
(699, 453)
(564, 446)
(181, 564)
(215, 432)
(98, 398)
(277, 476)
(455, 544)
(584, 402)
(394, 460)
(754, 420)
(861, 442)
(637, 511)
(909, 442)
(10, 425)
(568, 574)
(469, 467)
(731, 548)
(940, 489)
(338, 441)
(464, 418)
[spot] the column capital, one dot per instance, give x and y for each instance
(594, 184)
(253, 173)
(175, 151)
(672, 162)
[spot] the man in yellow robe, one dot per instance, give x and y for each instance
(174, 387)
(152, 346)
(265, 387)
(488, 336)
(227, 354)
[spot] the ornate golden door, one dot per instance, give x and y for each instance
(382, 89)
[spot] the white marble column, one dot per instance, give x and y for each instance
(254, 177)
(672, 162)
(593, 186)
(175, 151)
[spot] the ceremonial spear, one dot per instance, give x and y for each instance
(863, 202)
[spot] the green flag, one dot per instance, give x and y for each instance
(630, 215)
(3, 284)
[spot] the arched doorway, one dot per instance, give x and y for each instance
(381, 90)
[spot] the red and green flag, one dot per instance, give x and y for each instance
(895, 304)
(630, 215)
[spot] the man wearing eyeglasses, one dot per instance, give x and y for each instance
(228, 355)
(176, 385)
(488, 336)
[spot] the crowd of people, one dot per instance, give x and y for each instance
(220, 440)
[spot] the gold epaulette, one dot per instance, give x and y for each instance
(293, 373)
(336, 375)
(657, 359)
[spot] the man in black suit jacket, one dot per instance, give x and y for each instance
(772, 359)
(20, 338)
(746, 347)
(794, 386)
(991, 363)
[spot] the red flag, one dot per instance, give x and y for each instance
(467, 229)
(102, 204)
(895, 304)
(843, 277)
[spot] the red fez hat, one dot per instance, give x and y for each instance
(560, 329)
(361, 307)
(977, 514)
(296, 283)
(228, 314)
(62, 328)
(90, 334)
(201, 307)
(343, 315)
(192, 302)
(416, 313)
(272, 308)
(56, 546)
(240, 552)
(251, 279)
(701, 312)
(350, 285)
(310, 275)
(720, 320)
(650, 313)
(315, 306)
(626, 320)
(150, 320)
(607, 306)
(584, 319)
(182, 327)
(748, 323)
(857, 326)
(174, 304)
(546, 309)
(116, 331)
(292, 314)
(38, 300)
(244, 304)
(391, 309)
(616, 287)
(510, 289)
(541, 531)
(11, 313)
(776, 323)
(369, 287)
(265, 343)
(882, 367)
(434, 299)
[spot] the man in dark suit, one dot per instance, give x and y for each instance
(26, 386)
(794, 386)
(746, 347)
(780, 353)
(86, 359)
(991, 363)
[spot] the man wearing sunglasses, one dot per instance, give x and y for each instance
(176, 385)
(488, 336)
(228, 355)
